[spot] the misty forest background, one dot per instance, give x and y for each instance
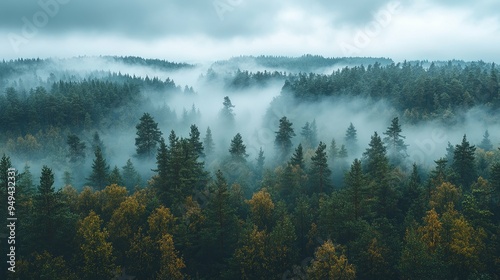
(252, 168)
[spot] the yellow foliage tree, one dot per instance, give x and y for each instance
(96, 251)
(160, 222)
(327, 264)
(431, 230)
(261, 208)
(171, 264)
(443, 195)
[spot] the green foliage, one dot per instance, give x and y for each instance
(148, 136)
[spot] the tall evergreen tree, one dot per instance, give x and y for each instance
(194, 140)
(208, 143)
(309, 134)
(355, 183)
(463, 163)
(298, 157)
(76, 153)
(283, 138)
(260, 163)
(238, 149)
(131, 177)
(227, 113)
(486, 143)
(351, 140)
(115, 177)
(97, 142)
(148, 136)
(99, 177)
(320, 172)
(394, 142)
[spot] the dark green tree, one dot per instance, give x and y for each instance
(208, 143)
(227, 113)
(148, 136)
(463, 163)
(219, 230)
(238, 149)
(298, 157)
(394, 142)
(115, 177)
(351, 140)
(97, 142)
(320, 172)
(99, 178)
(131, 177)
(76, 153)
(283, 138)
(194, 140)
(356, 183)
(309, 134)
(260, 163)
(486, 143)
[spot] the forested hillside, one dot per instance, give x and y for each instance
(377, 170)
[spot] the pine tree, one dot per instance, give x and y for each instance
(343, 154)
(100, 171)
(238, 149)
(320, 173)
(309, 134)
(77, 148)
(148, 136)
(298, 157)
(115, 177)
(208, 143)
(333, 152)
(194, 140)
(131, 177)
(260, 163)
(351, 140)
(463, 163)
(97, 142)
(283, 138)
(227, 113)
(486, 143)
(395, 143)
(355, 182)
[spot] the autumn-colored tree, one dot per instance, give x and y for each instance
(329, 264)
(171, 265)
(261, 209)
(431, 230)
(95, 250)
(443, 195)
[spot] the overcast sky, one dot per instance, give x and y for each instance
(205, 30)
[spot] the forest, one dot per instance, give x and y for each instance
(251, 168)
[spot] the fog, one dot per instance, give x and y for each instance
(257, 111)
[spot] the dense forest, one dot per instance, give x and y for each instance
(125, 176)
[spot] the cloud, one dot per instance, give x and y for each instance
(208, 30)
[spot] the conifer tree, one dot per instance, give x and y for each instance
(320, 172)
(463, 163)
(486, 143)
(227, 113)
(208, 143)
(238, 149)
(99, 177)
(351, 140)
(115, 177)
(194, 140)
(77, 148)
(131, 177)
(148, 136)
(283, 138)
(298, 157)
(394, 142)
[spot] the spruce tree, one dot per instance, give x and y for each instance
(227, 114)
(238, 149)
(115, 177)
(148, 136)
(320, 172)
(131, 177)
(208, 143)
(486, 143)
(283, 138)
(99, 177)
(394, 142)
(76, 153)
(260, 163)
(298, 157)
(351, 140)
(463, 163)
(355, 182)
(194, 140)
